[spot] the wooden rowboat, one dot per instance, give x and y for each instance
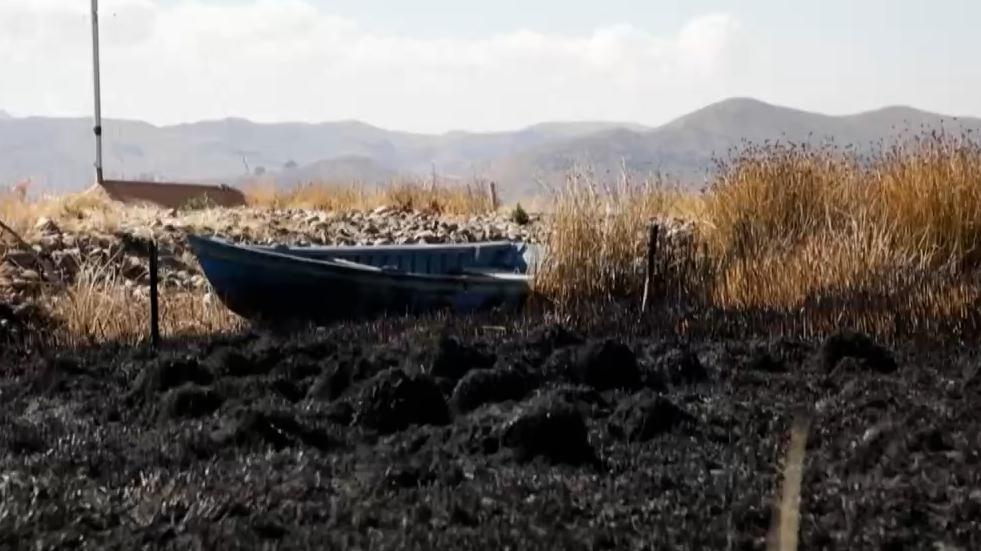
(172, 195)
(335, 283)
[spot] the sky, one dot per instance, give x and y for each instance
(441, 65)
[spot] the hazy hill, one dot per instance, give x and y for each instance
(684, 148)
(57, 153)
(351, 168)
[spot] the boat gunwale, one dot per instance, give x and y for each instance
(237, 253)
(423, 247)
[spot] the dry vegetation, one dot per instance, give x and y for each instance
(100, 307)
(90, 209)
(792, 238)
(466, 199)
(598, 237)
(788, 239)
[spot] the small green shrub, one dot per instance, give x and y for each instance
(199, 202)
(519, 216)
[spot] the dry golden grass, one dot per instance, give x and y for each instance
(89, 209)
(809, 239)
(803, 225)
(16, 212)
(929, 196)
(777, 197)
(100, 307)
(463, 199)
(597, 238)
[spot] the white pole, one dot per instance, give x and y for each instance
(98, 99)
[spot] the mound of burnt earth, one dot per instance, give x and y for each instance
(11, 327)
(233, 362)
(677, 367)
(331, 384)
(165, 374)
(549, 427)
(418, 472)
(543, 341)
(601, 364)
(454, 359)
(345, 368)
(251, 428)
(189, 401)
(21, 320)
(860, 350)
(645, 416)
(395, 400)
(58, 374)
(487, 386)
(762, 359)
(354, 437)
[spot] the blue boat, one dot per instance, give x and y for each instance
(274, 284)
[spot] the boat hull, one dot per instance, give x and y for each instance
(266, 285)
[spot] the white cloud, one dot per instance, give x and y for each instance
(289, 60)
(705, 42)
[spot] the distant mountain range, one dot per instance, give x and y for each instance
(56, 153)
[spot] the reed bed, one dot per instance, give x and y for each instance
(791, 239)
(598, 236)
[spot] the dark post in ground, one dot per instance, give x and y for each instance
(493, 196)
(154, 310)
(651, 253)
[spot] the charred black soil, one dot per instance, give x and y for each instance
(488, 438)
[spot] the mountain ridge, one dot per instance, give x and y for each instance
(57, 153)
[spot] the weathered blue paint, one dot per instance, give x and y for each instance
(332, 283)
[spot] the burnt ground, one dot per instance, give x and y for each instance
(471, 438)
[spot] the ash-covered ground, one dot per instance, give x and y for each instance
(453, 434)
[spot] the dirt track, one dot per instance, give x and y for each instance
(403, 438)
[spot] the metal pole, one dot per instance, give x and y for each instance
(154, 310)
(98, 92)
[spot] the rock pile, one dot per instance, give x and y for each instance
(58, 252)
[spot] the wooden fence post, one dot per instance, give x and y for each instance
(493, 196)
(154, 306)
(651, 253)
